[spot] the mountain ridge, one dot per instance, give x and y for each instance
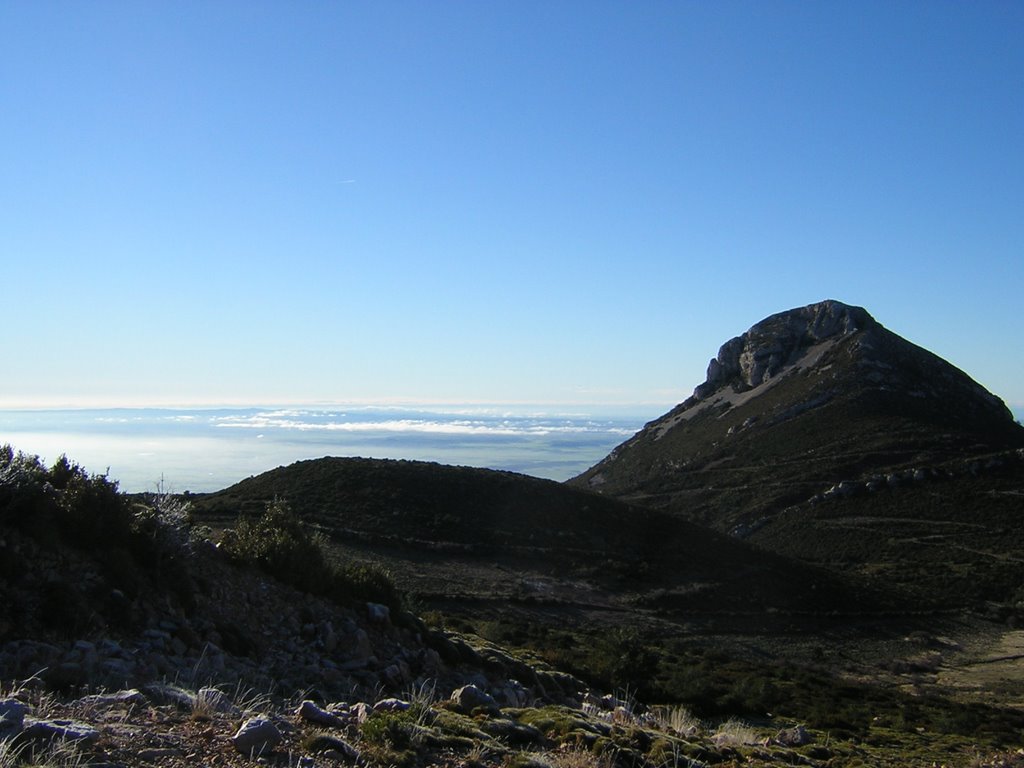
(797, 340)
(564, 544)
(822, 403)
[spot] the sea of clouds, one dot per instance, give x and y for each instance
(206, 449)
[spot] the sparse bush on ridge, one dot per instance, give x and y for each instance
(278, 543)
(93, 511)
(166, 520)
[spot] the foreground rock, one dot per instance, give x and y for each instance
(469, 699)
(256, 737)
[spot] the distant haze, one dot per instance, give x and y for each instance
(208, 449)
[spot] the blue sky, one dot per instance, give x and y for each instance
(540, 202)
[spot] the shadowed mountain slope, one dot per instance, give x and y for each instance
(473, 540)
(821, 434)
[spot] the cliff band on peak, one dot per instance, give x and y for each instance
(774, 343)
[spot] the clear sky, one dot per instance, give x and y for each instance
(557, 202)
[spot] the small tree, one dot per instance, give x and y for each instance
(623, 660)
(278, 543)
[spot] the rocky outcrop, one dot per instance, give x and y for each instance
(18, 726)
(775, 343)
(985, 466)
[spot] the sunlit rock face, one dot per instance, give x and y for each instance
(776, 342)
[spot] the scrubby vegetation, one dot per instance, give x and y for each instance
(627, 599)
(283, 546)
(63, 501)
(708, 684)
(134, 543)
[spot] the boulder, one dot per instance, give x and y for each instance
(360, 712)
(379, 614)
(359, 647)
(311, 713)
(170, 694)
(332, 747)
(391, 705)
(131, 697)
(793, 737)
(469, 698)
(12, 718)
(256, 737)
(62, 730)
(513, 694)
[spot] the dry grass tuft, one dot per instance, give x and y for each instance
(678, 720)
(736, 733)
(577, 757)
(55, 754)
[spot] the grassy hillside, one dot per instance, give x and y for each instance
(461, 532)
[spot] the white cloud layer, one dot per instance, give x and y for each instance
(305, 421)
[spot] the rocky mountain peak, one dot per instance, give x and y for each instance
(775, 343)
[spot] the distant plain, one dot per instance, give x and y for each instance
(206, 449)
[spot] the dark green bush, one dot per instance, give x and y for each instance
(280, 544)
(366, 582)
(65, 504)
(622, 658)
(86, 511)
(92, 511)
(27, 499)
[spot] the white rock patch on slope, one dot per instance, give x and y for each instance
(808, 360)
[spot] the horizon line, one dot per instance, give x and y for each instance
(54, 404)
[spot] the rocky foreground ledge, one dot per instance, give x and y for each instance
(249, 671)
(168, 725)
(372, 692)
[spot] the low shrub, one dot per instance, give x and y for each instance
(279, 543)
